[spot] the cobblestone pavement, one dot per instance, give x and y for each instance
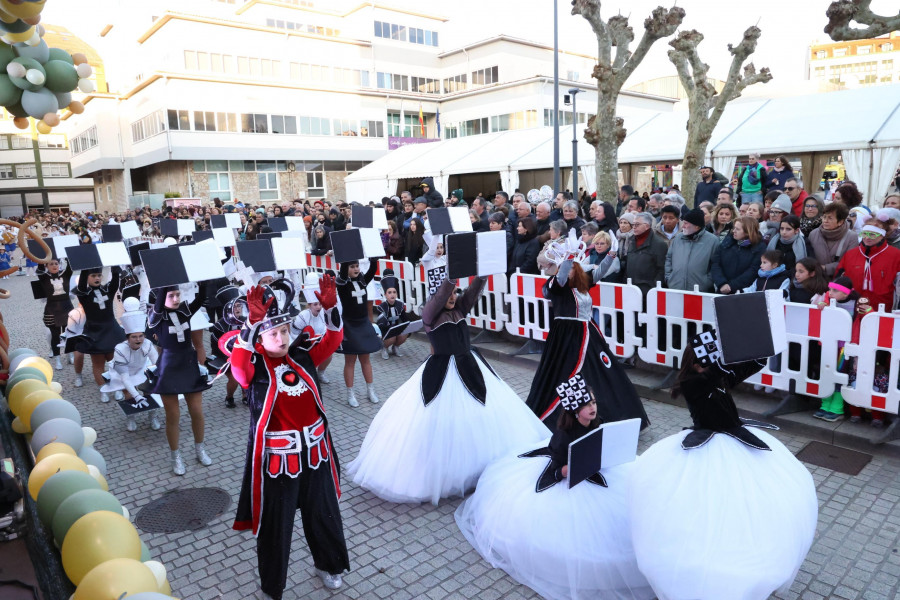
(416, 551)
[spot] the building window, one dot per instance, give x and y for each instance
(838, 52)
(887, 47)
(268, 186)
(179, 120)
(254, 123)
(485, 76)
(190, 60)
(109, 193)
(27, 171)
(219, 185)
(284, 124)
(867, 49)
(345, 127)
(450, 132)
(371, 128)
(21, 142)
(51, 141)
(55, 169)
(456, 83)
(84, 140)
(315, 184)
(315, 126)
(402, 33)
(393, 124)
(6, 172)
(148, 126)
(821, 54)
(411, 127)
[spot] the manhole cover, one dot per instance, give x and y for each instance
(835, 458)
(183, 510)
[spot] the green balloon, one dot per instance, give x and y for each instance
(145, 552)
(29, 64)
(16, 109)
(59, 487)
(16, 379)
(61, 76)
(9, 93)
(55, 54)
(21, 351)
(7, 54)
(20, 371)
(79, 504)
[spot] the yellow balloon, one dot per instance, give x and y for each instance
(14, 38)
(40, 364)
(52, 449)
(97, 537)
(22, 389)
(49, 467)
(22, 10)
(114, 578)
(19, 426)
(31, 401)
(165, 588)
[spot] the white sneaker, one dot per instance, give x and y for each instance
(203, 370)
(370, 390)
(384, 353)
(757, 387)
(59, 364)
(351, 398)
(396, 351)
(332, 582)
(79, 382)
(119, 395)
(71, 358)
(104, 397)
(177, 463)
(768, 389)
(202, 457)
(154, 421)
(131, 424)
(323, 377)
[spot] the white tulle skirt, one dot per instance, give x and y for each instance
(565, 544)
(414, 453)
(723, 521)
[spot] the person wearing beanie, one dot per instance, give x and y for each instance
(390, 313)
(130, 361)
(522, 516)
(779, 209)
(456, 198)
(360, 339)
(691, 254)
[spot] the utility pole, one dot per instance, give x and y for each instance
(556, 184)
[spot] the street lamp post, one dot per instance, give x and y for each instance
(557, 187)
(572, 93)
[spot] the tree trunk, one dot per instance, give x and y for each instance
(605, 129)
(699, 133)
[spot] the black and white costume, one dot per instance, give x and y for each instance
(719, 511)
(440, 429)
(359, 333)
(101, 332)
(178, 371)
(55, 287)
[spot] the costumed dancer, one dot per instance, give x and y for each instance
(291, 462)
(313, 317)
(360, 339)
(390, 313)
(130, 362)
(719, 511)
(439, 430)
(564, 543)
(178, 371)
(55, 285)
(234, 311)
(576, 345)
(199, 320)
(101, 333)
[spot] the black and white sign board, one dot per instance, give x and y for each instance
(182, 264)
(454, 219)
(223, 238)
(226, 221)
(609, 445)
(351, 245)
(117, 232)
(177, 227)
(134, 252)
(435, 277)
(92, 256)
(57, 245)
(750, 326)
(403, 329)
(368, 217)
(289, 253)
(475, 254)
(132, 406)
(257, 255)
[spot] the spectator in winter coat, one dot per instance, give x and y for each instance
(667, 228)
(873, 266)
(772, 274)
(395, 242)
(542, 213)
(527, 248)
(794, 189)
(781, 207)
(570, 216)
(415, 242)
(737, 263)
(751, 180)
(497, 223)
(644, 258)
(322, 243)
(557, 230)
(779, 174)
(456, 198)
(433, 197)
(707, 188)
(604, 215)
(790, 242)
(691, 255)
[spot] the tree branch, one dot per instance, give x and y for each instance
(622, 36)
(661, 23)
(735, 84)
(844, 12)
(590, 10)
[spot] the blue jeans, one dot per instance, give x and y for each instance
(748, 197)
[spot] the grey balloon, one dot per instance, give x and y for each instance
(40, 52)
(65, 431)
(54, 408)
(92, 457)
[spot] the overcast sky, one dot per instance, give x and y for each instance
(789, 26)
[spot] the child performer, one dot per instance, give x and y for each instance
(178, 371)
(130, 359)
(391, 313)
(55, 285)
(101, 332)
(232, 314)
(313, 316)
(360, 338)
(290, 441)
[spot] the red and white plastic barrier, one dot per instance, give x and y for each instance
(879, 342)
(615, 299)
(529, 311)
(671, 319)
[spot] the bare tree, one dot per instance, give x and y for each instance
(705, 106)
(844, 12)
(605, 131)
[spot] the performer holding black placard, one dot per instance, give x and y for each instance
(438, 431)
(101, 332)
(178, 371)
(360, 338)
(575, 345)
(563, 542)
(291, 461)
(718, 496)
(55, 288)
(390, 314)
(311, 320)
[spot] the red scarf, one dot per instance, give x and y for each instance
(641, 238)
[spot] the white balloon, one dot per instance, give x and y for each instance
(35, 38)
(86, 86)
(36, 77)
(158, 569)
(15, 69)
(84, 70)
(125, 513)
(90, 436)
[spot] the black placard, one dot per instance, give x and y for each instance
(401, 328)
(257, 254)
(585, 457)
(37, 290)
(217, 222)
(347, 245)
(134, 252)
(111, 233)
(199, 236)
(745, 332)
(83, 257)
(277, 224)
(35, 248)
(268, 236)
(130, 408)
(462, 255)
(169, 228)
(439, 220)
(361, 216)
(164, 267)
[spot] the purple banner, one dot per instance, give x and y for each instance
(396, 142)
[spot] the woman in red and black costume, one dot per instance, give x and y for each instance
(291, 461)
(576, 346)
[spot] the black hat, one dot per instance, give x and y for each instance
(279, 312)
(420, 200)
(706, 348)
(695, 217)
(227, 293)
(574, 393)
(390, 282)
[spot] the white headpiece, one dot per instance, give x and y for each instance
(311, 286)
(134, 320)
(568, 248)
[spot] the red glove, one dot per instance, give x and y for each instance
(257, 308)
(328, 294)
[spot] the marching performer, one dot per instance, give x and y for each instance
(178, 371)
(291, 461)
(575, 345)
(360, 339)
(312, 316)
(439, 430)
(718, 495)
(390, 313)
(130, 361)
(564, 543)
(101, 333)
(55, 285)
(233, 314)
